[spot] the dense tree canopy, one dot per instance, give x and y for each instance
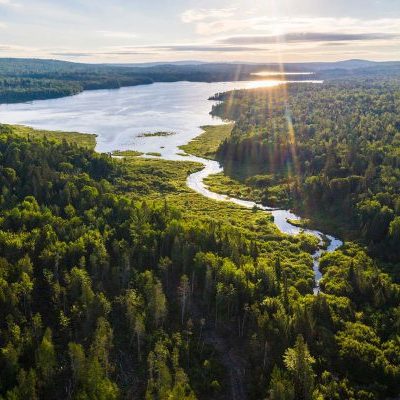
(329, 150)
(106, 294)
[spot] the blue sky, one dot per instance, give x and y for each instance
(219, 30)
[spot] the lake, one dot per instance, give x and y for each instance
(120, 116)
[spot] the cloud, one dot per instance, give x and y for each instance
(10, 48)
(158, 50)
(9, 3)
(100, 53)
(200, 14)
(3, 25)
(220, 26)
(213, 22)
(71, 54)
(333, 44)
(128, 53)
(211, 48)
(118, 35)
(304, 37)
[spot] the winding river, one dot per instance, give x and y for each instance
(196, 182)
(120, 117)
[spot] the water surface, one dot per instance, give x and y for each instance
(120, 116)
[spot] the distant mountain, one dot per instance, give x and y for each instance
(345, 64)
(356, 63)
(155, 64)
(52, 64)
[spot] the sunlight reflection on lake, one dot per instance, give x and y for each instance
(279, 73)
(274, 82)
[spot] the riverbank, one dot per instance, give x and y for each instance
(229, 186)
(206, 146)
(285, 220)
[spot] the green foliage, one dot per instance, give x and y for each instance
(80, 139)
(206, 144)
(116, 281)
(329, 150)
(298, 362)
(167, 380)
(281, 387)
(46, 358)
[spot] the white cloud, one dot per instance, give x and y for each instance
(221, 26)
(306, 37)
(9, 3)
(250, 34)
(118, 35)
(230, 20)
(321, 24)
(201, 14)
(16, 49)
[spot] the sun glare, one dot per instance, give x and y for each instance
(277, 73)
(266, 83)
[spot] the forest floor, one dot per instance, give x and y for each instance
(228, 354)
(232, 361)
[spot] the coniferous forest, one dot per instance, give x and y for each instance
(200, 200)
(119, 282)
(332, 148)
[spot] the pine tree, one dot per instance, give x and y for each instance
(298, 362)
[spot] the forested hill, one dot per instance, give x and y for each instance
(29, 79)
(331, 151)
(26, 79)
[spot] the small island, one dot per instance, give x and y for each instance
(156, 134)
(127, 153)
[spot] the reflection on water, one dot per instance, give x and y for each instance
(273, 82)
(279, 73)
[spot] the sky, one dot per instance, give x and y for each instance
(122, 31)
